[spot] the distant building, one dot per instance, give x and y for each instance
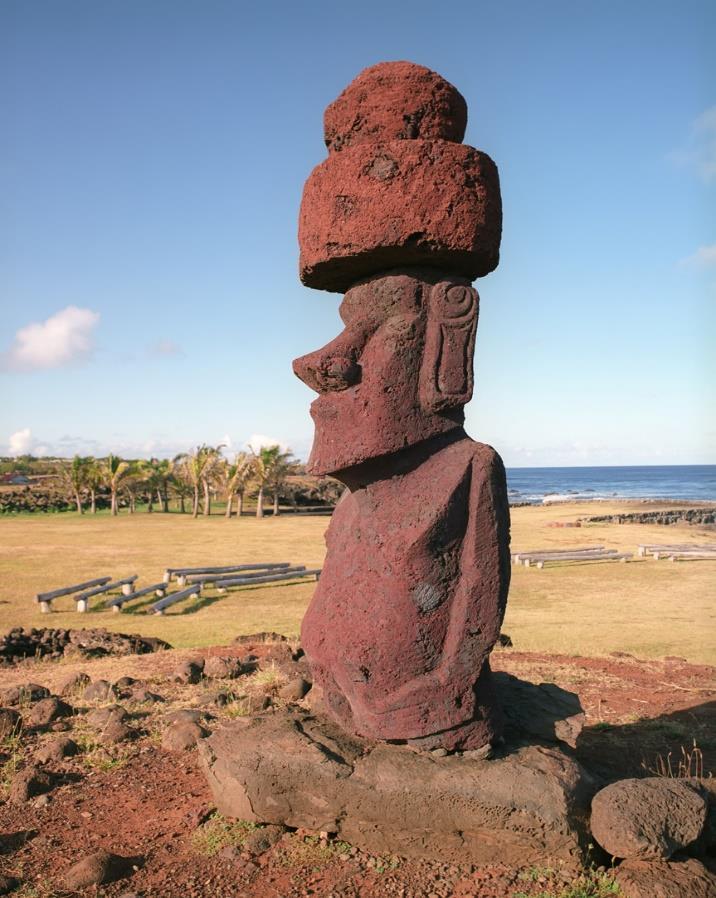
(14, 480)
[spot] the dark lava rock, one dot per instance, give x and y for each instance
(143, 696)
(294, 690)
(97, 869)
(648, 818)
(10, 722)
(47, 710)
(21, 695)
(99, 691)
(8, 884)
(19, 643)
(73, 684)
(28, 783)
(182, 736)
(222, 668)
(56, 750)
(260, 840)
(110, 722)
(687, 878)
(545, 711)
(189, 672)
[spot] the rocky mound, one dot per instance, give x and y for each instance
(19, 644)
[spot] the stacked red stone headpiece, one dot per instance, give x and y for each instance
(398, 187)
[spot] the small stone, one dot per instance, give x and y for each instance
(23, 694)
(438, 752)
(189, 672)
(41, 801)
(111, 724)
(294, 690)
(648, 818)
(46, 711)
(55, 751)
(479, 754)
(60, 726)
(182, 736)
(260, 840)
(99, 691)
(125, 682)
(230, 853)
(185, 715)
(222, 668)
(73, 684)
(8, 884)
(143, 696)
(97, 869)
(250, 868)
(685, 878)
(28, 783)
(10, 723)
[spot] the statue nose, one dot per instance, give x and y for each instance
(327, 373)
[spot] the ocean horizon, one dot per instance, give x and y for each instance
(564, 484)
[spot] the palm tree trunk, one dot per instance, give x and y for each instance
(93, 501)
(182, 507)
(260, 503)
(164, 500)
(150, 503)
(275, 503)
(207, 499)
(79, 502)
(114, 503)
(229, 504)
(240, 509)
(195, 507)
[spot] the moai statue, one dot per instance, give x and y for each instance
(402, 217)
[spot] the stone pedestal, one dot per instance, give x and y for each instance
(291, 767)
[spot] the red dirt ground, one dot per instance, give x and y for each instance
(149, 803)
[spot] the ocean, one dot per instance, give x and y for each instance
(535, 485)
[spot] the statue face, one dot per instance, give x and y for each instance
(397, 374)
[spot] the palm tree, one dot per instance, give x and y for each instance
(179, 480)
(75, 475)
(199, 468)
(115, 472)
(95, 479)
(271, 467)
(237, 476)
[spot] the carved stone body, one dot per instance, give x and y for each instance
(414, 587)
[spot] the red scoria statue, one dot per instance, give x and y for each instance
(401, 218)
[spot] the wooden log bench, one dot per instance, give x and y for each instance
(116, 603)
(181, 573)
(517, 557)
(218, 579)
(126, 584)
(610, 555)
(666, 549)
(269, 578)
(191, 592)
(691, 555)
(45, 598)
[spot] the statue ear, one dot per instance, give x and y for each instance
(451, 321)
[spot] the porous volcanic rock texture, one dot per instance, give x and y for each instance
(303, 771)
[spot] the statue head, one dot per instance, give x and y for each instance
(398, 374)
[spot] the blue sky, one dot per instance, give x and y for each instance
(151, 166)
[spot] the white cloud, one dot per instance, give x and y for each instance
(699, 152)
(20, 442)
(259, 441)
(703, 257)
(63, 338)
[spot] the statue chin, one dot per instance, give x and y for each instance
(348, 438)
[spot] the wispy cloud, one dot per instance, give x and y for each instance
(20, 442)
(704, 257)
(65, 338)
(165, 348)
(699, 150)
(259, 441)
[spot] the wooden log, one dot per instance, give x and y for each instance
(271, 578)
(188, 593)
(116, 603)
(622, 556)
(550, 556)
(229, 569)
(106, 587)
(519, 556)
(46, 597)
(694, 556)
(219, 578)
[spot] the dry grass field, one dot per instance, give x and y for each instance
(647, 608)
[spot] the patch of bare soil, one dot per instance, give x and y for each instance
(131, 795)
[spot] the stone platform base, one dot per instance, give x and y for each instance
(527, 807)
